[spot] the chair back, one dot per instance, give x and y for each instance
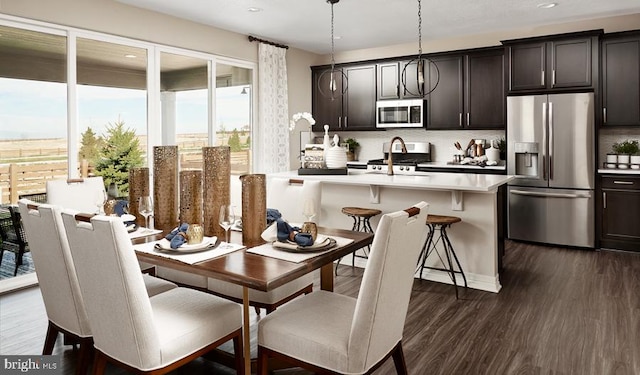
(83, 195)
(383, 300)
(113, 290)
(54, 266)
(288, 197)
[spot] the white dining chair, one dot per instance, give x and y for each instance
(84, 194)
(58, 280)
(130, 329)
(331, 333)
(288, 197)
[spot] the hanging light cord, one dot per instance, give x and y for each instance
(419, 29)
(333, 60)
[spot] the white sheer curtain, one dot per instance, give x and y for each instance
(273, 110)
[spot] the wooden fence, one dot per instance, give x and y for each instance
(31, 177)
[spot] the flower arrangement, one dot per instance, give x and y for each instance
(301, 115)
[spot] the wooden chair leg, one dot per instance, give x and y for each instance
(257, 310)
(238, 352)
(398, 360)
(263, 362)
(84, 356)
(99, 363)
(50, 339)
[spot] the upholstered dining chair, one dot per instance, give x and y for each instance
(84, 194)
(288, 197)
(147, 335)
(331, 333)
(58, 281)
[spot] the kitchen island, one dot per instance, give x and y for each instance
(478, 199)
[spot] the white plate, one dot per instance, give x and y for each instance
(207, 242)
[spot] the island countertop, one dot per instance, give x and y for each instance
(424, 180)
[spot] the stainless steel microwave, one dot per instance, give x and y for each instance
(407, 113)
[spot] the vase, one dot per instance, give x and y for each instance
(138, 187)
(191, 197)
(165, 187)
(217, 185)
(254, 208)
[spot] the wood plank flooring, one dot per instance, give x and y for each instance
(561, 311)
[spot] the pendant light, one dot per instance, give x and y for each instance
(420, 63)
(332, 91)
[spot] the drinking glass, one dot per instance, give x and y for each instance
(101, 200)
(145, 208)
(227, 218)
(309, 209)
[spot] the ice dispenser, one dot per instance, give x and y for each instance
(526, 159)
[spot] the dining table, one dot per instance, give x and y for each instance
(254, 271)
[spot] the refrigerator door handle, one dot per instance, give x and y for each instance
(550, 141)
(544, 141)
(549, 195)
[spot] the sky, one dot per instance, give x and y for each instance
(37, 109)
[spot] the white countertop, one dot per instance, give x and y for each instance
(443, 164)
(618, 171)
(471, 182)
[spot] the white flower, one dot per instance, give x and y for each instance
(301, 115)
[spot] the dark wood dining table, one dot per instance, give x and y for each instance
(261, 272)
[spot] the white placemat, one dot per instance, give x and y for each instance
(269, 251)
(190, 258)
(142, 232)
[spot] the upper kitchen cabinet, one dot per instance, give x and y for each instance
(390, 84)
(470, 90)
(553, 63)
(621, 79)
(355, 109)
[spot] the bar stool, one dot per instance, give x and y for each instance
(361, 223)
(441, 222)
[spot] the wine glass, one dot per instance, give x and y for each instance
(101, 200)
(309, 209)
(227, 218)
(145, 208)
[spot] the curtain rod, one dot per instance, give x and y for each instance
(253, 38)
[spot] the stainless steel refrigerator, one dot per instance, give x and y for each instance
(550, 145)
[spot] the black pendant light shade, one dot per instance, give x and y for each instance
(420, 63)
(332, 83)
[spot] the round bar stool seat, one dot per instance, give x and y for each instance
(441, 222)
(361, 223)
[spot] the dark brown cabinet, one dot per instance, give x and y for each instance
(621, 79)
(553, 63)
(390, 80)
(353, 110)
(620, 219)
(469, 92)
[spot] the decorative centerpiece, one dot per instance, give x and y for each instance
(624, 150)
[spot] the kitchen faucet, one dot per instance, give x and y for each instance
(390, 160)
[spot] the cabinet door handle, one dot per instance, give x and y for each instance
(345, 122)
(468, 119)
(604, 115)
(604, 199)
(542, 78)
(553, 77)
(340, 122)
(623, 182)
(398, 91)
(460, 119)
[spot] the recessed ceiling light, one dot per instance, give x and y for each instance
(129, 56)
(546, 5)
(254, 9)
(337, 37)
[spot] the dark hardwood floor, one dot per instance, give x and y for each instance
(560, 311)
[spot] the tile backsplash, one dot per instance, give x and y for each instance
(442, 148)
(610, 136)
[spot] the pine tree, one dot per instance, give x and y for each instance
(90, 145)
(234, 141)
(119, 153)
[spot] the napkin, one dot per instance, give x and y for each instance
(287, 232)
(177, 237)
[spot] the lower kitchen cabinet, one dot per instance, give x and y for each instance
(620, 218)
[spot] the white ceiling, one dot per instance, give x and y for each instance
(305, 24)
